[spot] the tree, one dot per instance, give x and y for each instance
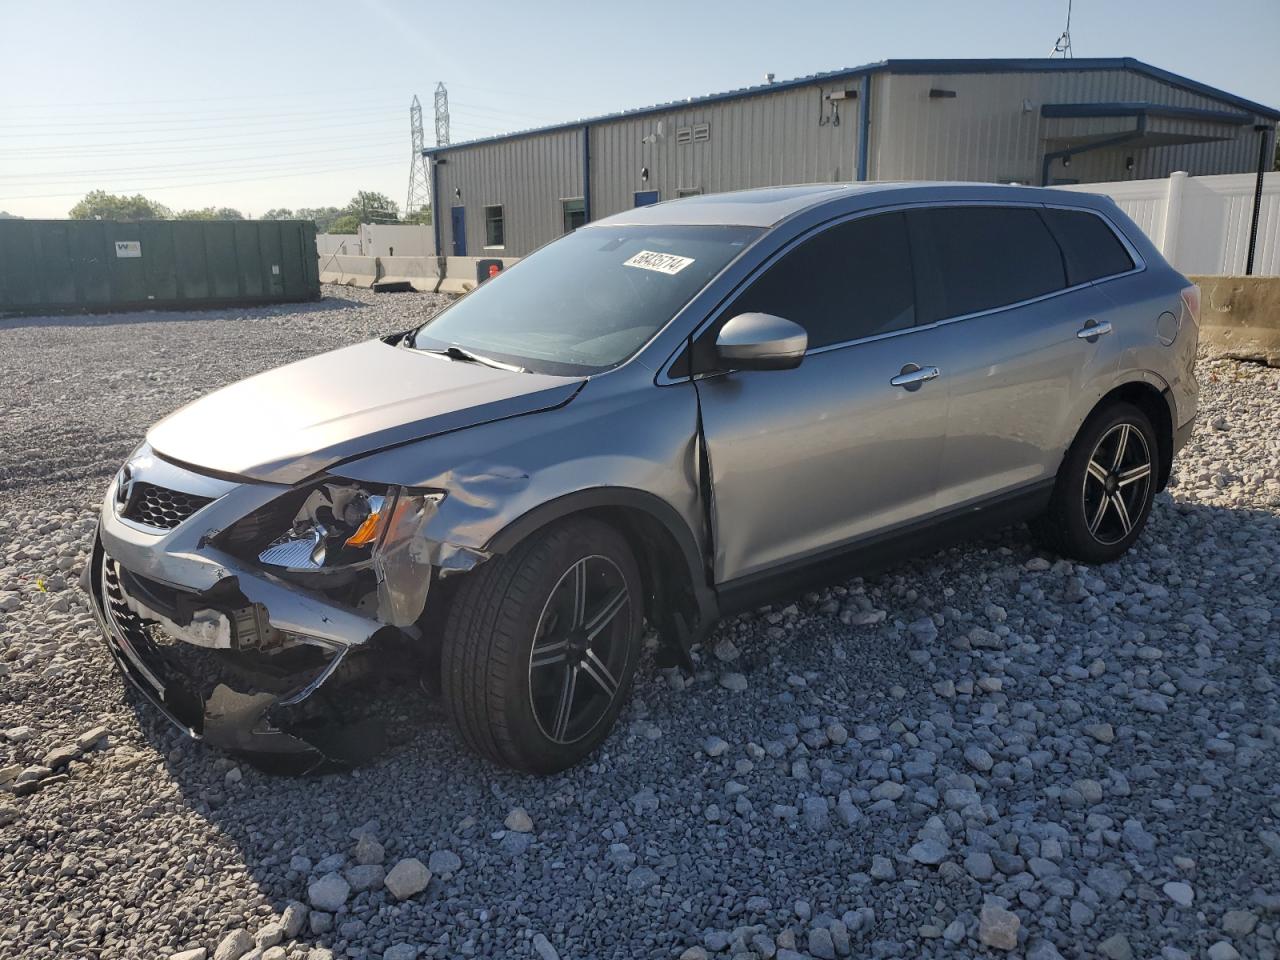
(373, 207)
(280, 213)
(100, 205)
(6, 215)
(210, 213)
(423, 215)
(323, 217)
(347, 223)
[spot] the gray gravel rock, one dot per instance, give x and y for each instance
(518, 821)
(543, 948)
(234, 945)
(407, 878)
(329, 893)
(998, 927)
(1127, 712)
(444, 861)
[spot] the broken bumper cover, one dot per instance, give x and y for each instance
(270, 704)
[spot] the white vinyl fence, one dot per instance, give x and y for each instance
(342, 244)
(1201, 224)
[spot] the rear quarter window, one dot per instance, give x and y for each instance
(1090, 247)
(975, 258)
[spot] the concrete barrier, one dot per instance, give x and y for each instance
(460, 272)
(349, 271)
(1240, 317)
(422, 273)
(419, 272)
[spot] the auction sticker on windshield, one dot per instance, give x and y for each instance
(659, 262)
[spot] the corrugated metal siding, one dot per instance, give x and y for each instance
(760, 141)
(528, 177)
(986, 132)
(991, 130)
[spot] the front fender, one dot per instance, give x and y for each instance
(617, 444)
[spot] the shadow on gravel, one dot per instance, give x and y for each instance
(260, 311)
(428, 794)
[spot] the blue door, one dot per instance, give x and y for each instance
(459, 231)
(646, 197)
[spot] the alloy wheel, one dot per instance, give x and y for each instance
(1115, 483)
(580, 649)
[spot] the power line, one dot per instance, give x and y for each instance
(217, 163)
(182, 170)
(61, 105)
(130, 148)
(208, 183)
(187, 120)
(277, 130)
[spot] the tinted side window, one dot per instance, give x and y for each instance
(978, 258)
(852, 280)
(1090, 247)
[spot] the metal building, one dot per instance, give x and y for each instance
(1014, 121)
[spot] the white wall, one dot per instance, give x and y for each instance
(396, 240)
(1201, 224)
(341, 243)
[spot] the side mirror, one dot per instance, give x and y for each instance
(761, 341)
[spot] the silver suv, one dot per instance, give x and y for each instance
(664, 416)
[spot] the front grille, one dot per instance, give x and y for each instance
(161, 507)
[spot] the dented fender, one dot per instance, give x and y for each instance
(642, 440)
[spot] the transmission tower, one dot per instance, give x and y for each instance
(442, 115)
(419, 192)
(1062, 47)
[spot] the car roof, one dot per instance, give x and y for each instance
(768, 206)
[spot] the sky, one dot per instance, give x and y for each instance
(257, 105)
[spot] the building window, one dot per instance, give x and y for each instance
(688, 191)
(575, 213)
(494, 232)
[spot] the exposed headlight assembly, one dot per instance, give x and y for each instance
(344, 527)
(336, 526)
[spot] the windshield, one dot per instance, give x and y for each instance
(589, 300)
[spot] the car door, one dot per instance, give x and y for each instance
(1009, 324)
(806, 460)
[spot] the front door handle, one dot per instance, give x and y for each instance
(913, 375)
(1094, 329)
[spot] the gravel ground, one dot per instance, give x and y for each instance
(986, 751)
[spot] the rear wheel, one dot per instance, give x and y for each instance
(1105, 488)
(540, 647)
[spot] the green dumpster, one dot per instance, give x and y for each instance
(55, 266)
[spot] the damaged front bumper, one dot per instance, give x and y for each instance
(231, 653)
(273, 704)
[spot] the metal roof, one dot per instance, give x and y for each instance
(767, 206)
(949, 66)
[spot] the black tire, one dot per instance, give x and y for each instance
(505, 705)
(1083, 521)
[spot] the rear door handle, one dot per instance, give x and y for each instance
(1094, 329)
(913, 375)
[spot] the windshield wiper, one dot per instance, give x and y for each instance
(455, 352)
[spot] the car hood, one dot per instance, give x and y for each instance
(286, 424)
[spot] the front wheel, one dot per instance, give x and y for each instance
(540, 646)
(1105, 487)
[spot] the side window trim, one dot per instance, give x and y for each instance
(1139, 263)
(665, 377)
(722, 311)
